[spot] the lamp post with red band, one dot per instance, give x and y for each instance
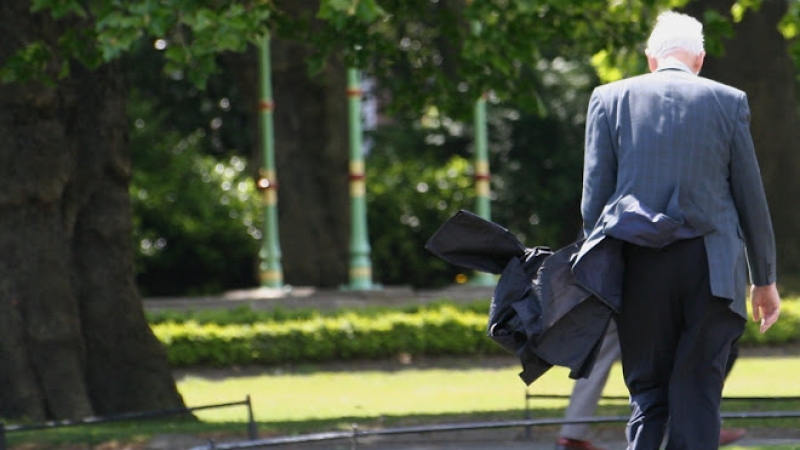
(270, 270)
(483, 190)
(360, 264)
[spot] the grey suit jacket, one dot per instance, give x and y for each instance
(669, 156)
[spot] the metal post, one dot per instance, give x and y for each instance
(354, 438)
(360, 265)
(270, 270)
(482, 174)
(2, 436)
(252, 430)
(527, 413)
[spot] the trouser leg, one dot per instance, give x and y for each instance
(675, 339)
(702, 361)
(587, 391)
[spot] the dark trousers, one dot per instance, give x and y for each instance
(675, 338)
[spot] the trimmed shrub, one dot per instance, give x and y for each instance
(441, 329)
(445, 330)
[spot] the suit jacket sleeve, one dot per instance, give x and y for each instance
(751, 203)
(600, 164)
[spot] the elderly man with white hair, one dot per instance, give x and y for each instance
(671, 180)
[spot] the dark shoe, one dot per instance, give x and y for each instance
(574, 444)
(730, 435)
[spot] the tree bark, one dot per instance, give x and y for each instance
(757, 61)
(312, 162)
(74, 341)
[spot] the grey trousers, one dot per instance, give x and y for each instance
(587, 391)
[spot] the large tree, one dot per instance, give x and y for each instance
(73, 336)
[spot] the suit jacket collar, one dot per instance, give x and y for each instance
(674, 65)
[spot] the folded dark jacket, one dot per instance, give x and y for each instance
(539, 311)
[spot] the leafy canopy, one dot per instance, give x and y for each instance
(426, 52)
(453, 49)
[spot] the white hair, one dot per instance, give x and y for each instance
(674, 32)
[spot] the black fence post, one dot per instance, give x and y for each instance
(354, 437)
(2, 436)
(528, 414)
(252, 430)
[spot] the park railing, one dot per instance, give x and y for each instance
(356, 433)
(529, 397)
(252, 429)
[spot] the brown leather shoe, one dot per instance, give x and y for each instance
(730, 435)
(574, 444)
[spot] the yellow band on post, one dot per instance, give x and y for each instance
(358, 188)
(270, 197)
(270, 275)
(357, 167)
(482, 188)
(360, 272)
(481, 168)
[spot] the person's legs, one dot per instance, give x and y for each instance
(675, 338)
(697, 381)
(709, 332)
(648, 326)
(587, 391)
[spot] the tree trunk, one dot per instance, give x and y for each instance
(312, 162)
(757, 61)
(73, 337)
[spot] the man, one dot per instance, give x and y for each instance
(670, 174)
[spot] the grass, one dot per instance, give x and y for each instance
(305, 394)
(308, 399)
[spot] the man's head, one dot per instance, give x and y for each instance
(676, 36)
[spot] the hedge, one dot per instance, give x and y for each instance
(444, 329)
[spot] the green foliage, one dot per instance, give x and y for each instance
(29, 63)
(435, 331)
(192, 33)
(717, 27)
(364, 10)
(439, 329)
(413, 187)
(456, 52)
(420, 174)
(196, 216)
(537, 158)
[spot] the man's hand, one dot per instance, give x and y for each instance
(766, 304)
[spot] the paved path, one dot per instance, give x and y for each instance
(312, 298)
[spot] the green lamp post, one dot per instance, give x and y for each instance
(270, 271)
(360, 265)
(482, 175)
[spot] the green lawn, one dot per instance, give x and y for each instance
(310, 400)
(279, 396)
